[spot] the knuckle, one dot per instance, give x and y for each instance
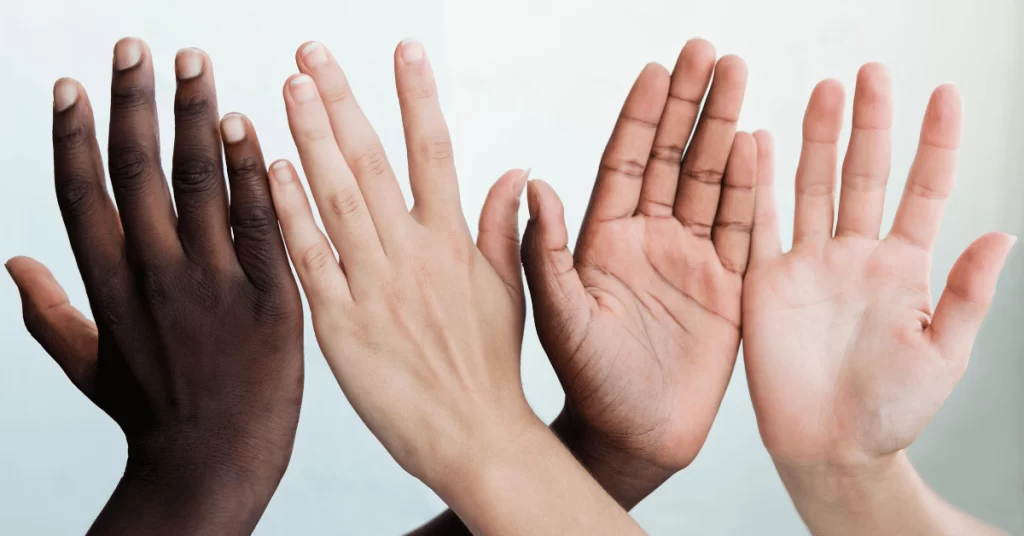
(256, 220)
(437, 146)
(373, 161)
(77, 195)
(129, 164)
(71, 139)
(248, 168)
(156, 288)
(193, 108)
(345, 202)
(195, 174)
(336, 95)
(317, 259)
(128, 98)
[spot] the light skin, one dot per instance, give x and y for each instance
(209, 415)
(641, 321)
(421, 326)
(866, 361)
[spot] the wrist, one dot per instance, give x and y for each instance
(883, 495)
(626, 475)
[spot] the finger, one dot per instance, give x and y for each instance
(558, 294)
(498, 239)
(89, 215)
(735, 218)
(257, 244)
(435, 187)
(700, 180)
(620, 177)
(816, 173)
(933, 172)
(335, 190)
(65, 333)
(690, 80)
(319, 272)
(866, 166)
(969, 291)
(199, 191)
(765, 243)
(358, 141)
(140, 188)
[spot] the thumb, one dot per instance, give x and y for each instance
(498, 236)
(970, 287)
(559, 298)
(64, 332)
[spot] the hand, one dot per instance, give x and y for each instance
(642, 324)
(196, 352)
(421, 327)
(846, 361)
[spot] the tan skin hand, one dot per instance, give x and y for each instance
(422, 327)
(642, 322)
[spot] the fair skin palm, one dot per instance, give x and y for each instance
(421, 326)
(641, 322)
(846, 360)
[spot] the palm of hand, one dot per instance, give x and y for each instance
(846, 324)
(662, 339)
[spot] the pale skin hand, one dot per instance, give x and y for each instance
(846, 360)
(421, 327)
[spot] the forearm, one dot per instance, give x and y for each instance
(626, 478)
(183, 499)
(532, 486)
(884, 497)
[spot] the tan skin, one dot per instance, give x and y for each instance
(209, 414)
(642, 321)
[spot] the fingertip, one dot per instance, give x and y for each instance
(65, 94)
(282, 171)
(655, 74)
(700, 51)
(234, 128)
(129, 52)
(189, 63)
(764, 140)
(731, 69)
(873, 75)
(828, 95)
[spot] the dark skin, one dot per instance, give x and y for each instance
(642, 321)
(196, 351)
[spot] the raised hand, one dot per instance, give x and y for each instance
(642, 323)
(196, 351)
(846, 360)
(421, 326)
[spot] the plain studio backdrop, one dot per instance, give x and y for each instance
(524, 84)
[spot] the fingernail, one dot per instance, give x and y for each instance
(303, 89)
(233, 128)
(520, 183)
(281, 171)
(65, 94)
(412, 51)
(1013, 239)
(532, 200)
(314, 54)
(189, 63)
(127, 53)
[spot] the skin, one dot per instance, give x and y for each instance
(197, 348)
(642, 322)
(422, 327)
(867, 362)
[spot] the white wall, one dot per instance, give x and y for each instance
(525, 84)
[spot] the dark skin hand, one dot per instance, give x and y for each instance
(642, 322)
(196, 351)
